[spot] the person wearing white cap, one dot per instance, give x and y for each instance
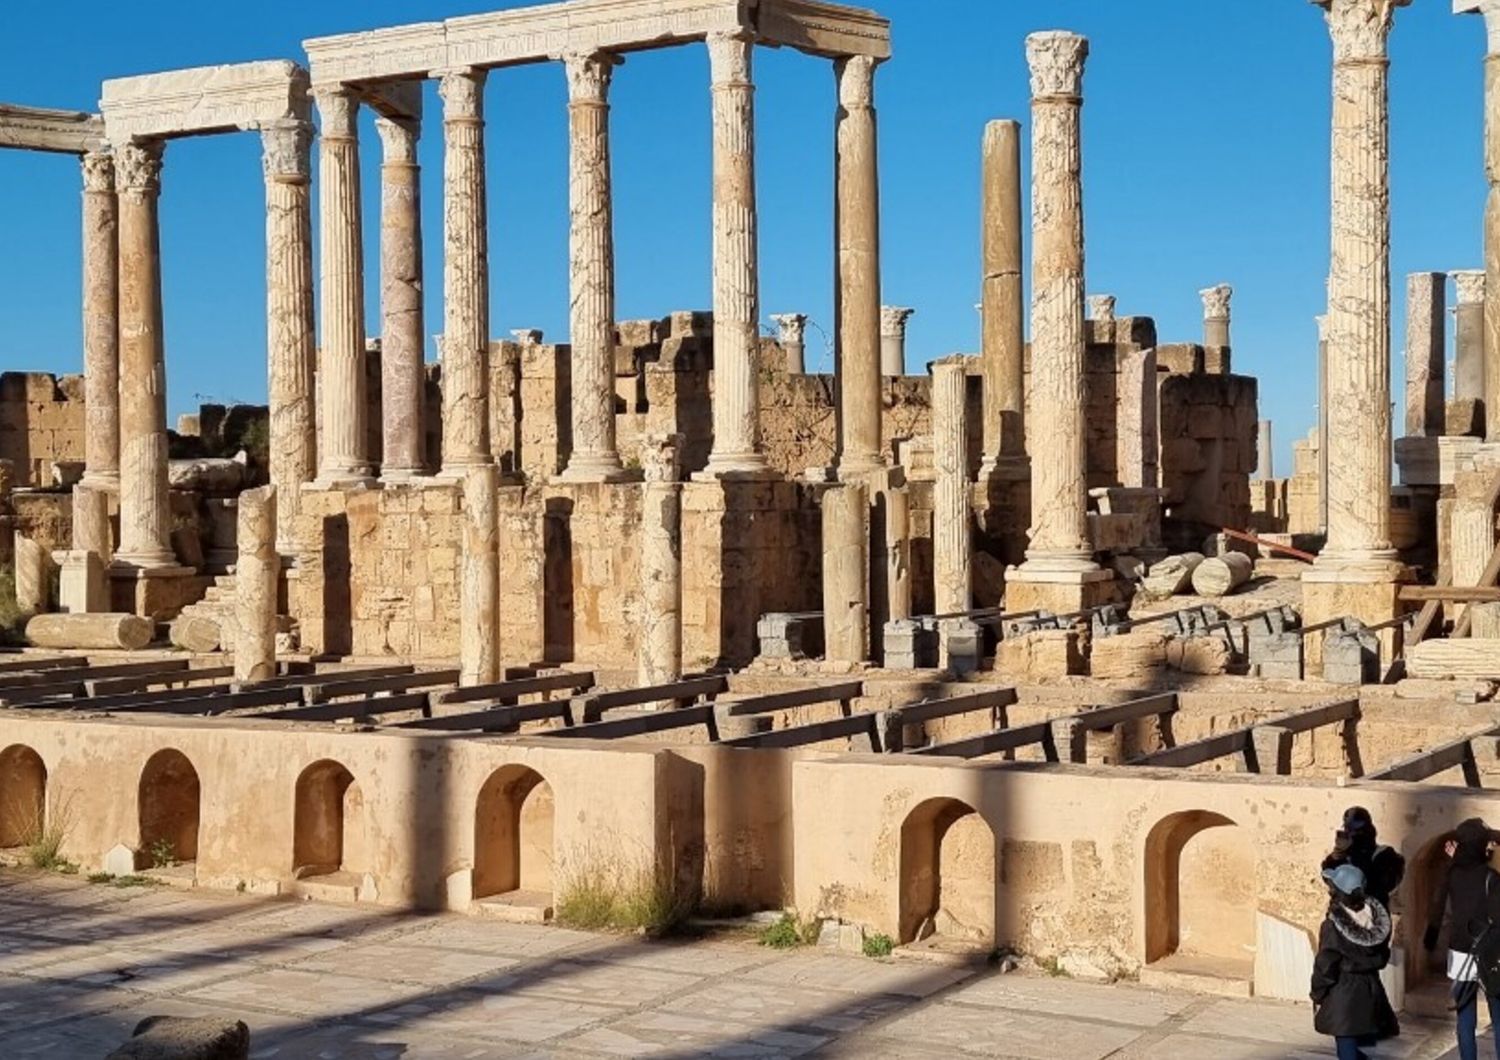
(1354, 944)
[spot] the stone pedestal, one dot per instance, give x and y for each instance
(846, 573)
(1326, 597)
(101, 324)
(660, 651)
(793, 331)
(857, 305)
(402, 363)
(1002, 305)
(256, 573)
(1472, 533)
(1060, 592)
(91, 528)
(893, 339)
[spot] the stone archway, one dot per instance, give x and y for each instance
(948, 877)
(321, 820)
(169, 798)
(1200, 895)
(23, 796)
(1424, 875)
(513, 838)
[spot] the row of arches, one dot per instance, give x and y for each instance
(513, 819)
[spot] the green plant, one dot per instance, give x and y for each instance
(1053, 967)
(12, 619)
(133, 881)
(604, 893)
(100, 877)
(163, 854)
(45, 835)
(784, 934)
(878, 946)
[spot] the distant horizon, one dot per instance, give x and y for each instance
(1205, 161)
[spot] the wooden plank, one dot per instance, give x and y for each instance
(932, 709)
(998, 742)
(322, 692)
(111, 686)
(1466, 658)
(155, 695)
(70, 683)
(1314, 717)
(217, 703)
(329, 675)
(841, 692)
(1439, 759)
(37, 664)
(1101, 718)
(639, 724)
(349, 708)
(1490, 575)
(79, 675)
(1236, 741)
(521, 686)
(682, 693)
(1462, 594)
(817, 732)
(497, 718)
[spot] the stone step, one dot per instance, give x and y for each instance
(516, 907)
(1194, 974)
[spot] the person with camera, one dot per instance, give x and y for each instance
(1357, 844)
(1469, 894)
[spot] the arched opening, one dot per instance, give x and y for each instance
(947, 875)
(169, 798)
(321, 822)
(23, 796)
(1425, 876)
(1200, 896)
(513, 838)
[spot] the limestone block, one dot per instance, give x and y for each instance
(1139, 653)
(1199, 655)
(208, 475)
(1464, 417)
(196, 633)
(186, 1038)
(1180, 359)
(81, 585)
(1042, 655)
(204, 99)
(1484, 621)
(33, 568)
(1467, 658)
(119, 861)
(1276, 655)
(91, 529)
(1114, 533)
(1283, 958)
(1223, 574)
(961, 645)
(90, 632)
(1351, 657)
(909, 645)
(1173, 574)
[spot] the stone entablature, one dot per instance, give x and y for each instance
(42, 129)
(544, 32)
(205, 99)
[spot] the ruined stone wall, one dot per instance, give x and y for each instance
(1209, 433)
(41, 422)
(1304, 491)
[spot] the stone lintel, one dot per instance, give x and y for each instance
(399, 101)
(205, 99)
(544, 32)
(43, 129)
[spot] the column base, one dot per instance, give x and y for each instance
(1330, 593)
(1005, 469)
(1357, 567)
(157, 593)
(342, 480)
(104, 481)
(459, 470)
(742, 467)
(401, 476)
(596, 471)
(857, 467)
(1060, 591)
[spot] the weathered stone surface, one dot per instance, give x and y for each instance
(661, 564)
(1351, 657)
(402, 350)
(196, 633)
(184, 1038)
(845, 573)
(46, 129)
(1044, 655)
(256, 573)
(91, 529)
(81, 586)
(1426, 344)
(101, 323)
(858, 222)
(1139, 654)
(89, 632)
(208, 475)
(33, 567)
(203, 100)
(479, 589)
(1222, 575)
(1173, 574)
(1002, 305)
(951, 516)
(1199, 655)
(1461, 659)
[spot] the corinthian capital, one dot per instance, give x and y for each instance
(338, 111)
(1470, 286)
(398, 140)
(1216, 301)
(463, 95)
(589, 75)
(285, 149)
(1101, 307)
(1360, 27)
(729, 57)
(893, 319)
(138, 166)
(793, 326)
(659, 460)
(98, 171)
(1056, 59)
(856, 77)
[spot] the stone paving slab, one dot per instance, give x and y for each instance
(396, 962)
(1001, 1032)
(1067, 997)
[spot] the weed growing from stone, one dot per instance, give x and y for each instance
(878, 945)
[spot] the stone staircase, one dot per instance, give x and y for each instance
(208, 625)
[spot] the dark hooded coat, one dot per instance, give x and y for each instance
(1382, 866)
(1470, 889)
(1346, 987)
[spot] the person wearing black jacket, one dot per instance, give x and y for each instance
(1356, 844)
(1470, 894)
(1354, 944)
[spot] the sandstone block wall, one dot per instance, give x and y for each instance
(41, 421)
(1209, 433)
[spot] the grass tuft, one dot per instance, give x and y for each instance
(605, 894)
(878, 945)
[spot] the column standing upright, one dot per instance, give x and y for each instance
(1002, 302)
(857, 291)
(101, 322)
(1490, 9)
(291, 339)
(1468, 342)
(893, 339)
(793, 339)
(466, 280)
(402, 375)
(1426, 344)
(1216, 301)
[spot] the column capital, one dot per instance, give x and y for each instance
(589, 75)
(659, 457)
(856, 78)
(527, 336)
(462, 92)
(1216, 301)
(1490, 9)
(338, 107)
(1101, 307)
(1359, 28)
(398, 140)
(98, 171)
(1056, 60)
(893, 320)
(730, 55)
(792, 326)
(286, 149)
(138, 166)
(1470, 285)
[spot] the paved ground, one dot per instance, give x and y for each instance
(81, 963)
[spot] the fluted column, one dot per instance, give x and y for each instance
(1059, 488)
(1469, 341)
(101, 323)
(145, 518)
(402, 374)
(343, 460)
(291, 341)
(479, 587)
(1322, 322)
(1002, 304)
(1490, 9)
(951, 556)
(1359, 291)
(591, 242)
(893, 339)
(659, 655)
(466, 279)
(792, 328)
(1426, 345)
(1216, 301)
(736, 280)
(257, 570)
(857, 291)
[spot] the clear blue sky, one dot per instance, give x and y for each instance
(1205, 160)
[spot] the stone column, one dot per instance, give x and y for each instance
(893, 339)
(1265, 460)
(857, 289)
(736, 279)
(291, 338)
(1472, 537)
(660, 647)
(479, 589)
(846, 568)
(1216, 314)
(595, 457)
(101, 322)
(256, 572)
(1426, 342)
(402, 364)
(793, 334)
(1060, 552)
(145, 516)
(951, 550)
(1469, 340)
(1359, 295)
(466, 278)
(91, 531)
(1490, 9)
(342, 458)
(1004, 326)
(1322, 430)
